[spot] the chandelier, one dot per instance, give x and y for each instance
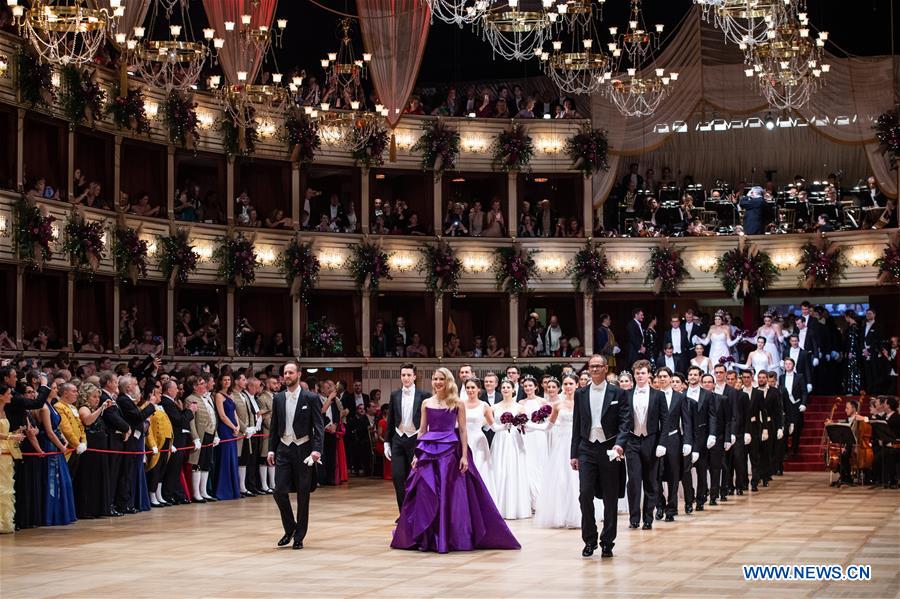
(789, 66)
(637, 42)
(746, 22)
(343, 70)
(579, 66)
(65, 32)
(350, 130)
(517, 33)
(458, 12)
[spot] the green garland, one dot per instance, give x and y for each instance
(666, 269)
(512, 150)
(301, 134)
(442, 269)
(83, 243)
(130, 255)
(371, 153)
(237, 260)
(368, 265)
(323, 338)
(439, 146)
(300, 267)
(590, 269)
(746, 271)
(33, 233)
(80, 97)
(238, 141)
(34, 79)
(177, 258)
(887, 132)
(128, 111)
(514, 267)
(589, 150)
(822, 263)
(180, 117)
(889, 262)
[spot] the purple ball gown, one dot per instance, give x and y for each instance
(446, 510)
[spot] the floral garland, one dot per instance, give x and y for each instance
(822, 263)
(34, 79)
(887, 132)
(128, 111)
(666, 269)
(745, 270)
(237, 260)
(300, 267)
(81, 97)
(83, 242)
(368, 265)
(442, 269)
(589, 150)
(889, 262)
(130, 255)
(239, 141)
(590, 269)
(513, 268)
(33, 233)
(180, 116)
(301, 134)
(372, 151)
(177, 258)
(439, 146)
(512, 150)
(324, 338)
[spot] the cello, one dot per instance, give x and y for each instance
(832, 451)
(862, 456)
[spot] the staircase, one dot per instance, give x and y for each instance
(810, 459)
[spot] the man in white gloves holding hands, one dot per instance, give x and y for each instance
(402, 426)
(676, 444)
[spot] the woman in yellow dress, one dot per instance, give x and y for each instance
(9, 451)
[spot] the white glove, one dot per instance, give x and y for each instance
(710, 441)
(613, 455)
(781, 364)
(155, 450)
(765, 434)
(197, 444)
(747, 438)
(733, 439)
(815, 361)
(727, 446)
(660, 451)
(694, 457)
(216, 440)
(616, 349)
(802, 408)
(309, 461)
(685, 450)
(808, 389)
(250, 431)
(82, 447)
(780, 434)
(172, 449)
(695, 339)
(387, 450)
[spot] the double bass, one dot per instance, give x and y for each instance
(832, 451)
(862, 456)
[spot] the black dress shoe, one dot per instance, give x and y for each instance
(755, 488)
(607, 551)
(670, 518)
(700, 507)
(130, 510)
(114, 513)
(647, 526)
(211, 499)
(297, 545)
(688, 509)
(731, 491)
(659, 513)
(247, 494)
(765, 483)
(723, 498)
(740, 491)
(779, 473)
(713, 501)
(633, 525)
(201, 500)
(588, 550)
(285, 539)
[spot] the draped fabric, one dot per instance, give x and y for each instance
(237, 55)
(712, 84)
(394, 32)
(135, 13)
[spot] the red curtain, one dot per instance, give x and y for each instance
(235, 55)
(394, 32)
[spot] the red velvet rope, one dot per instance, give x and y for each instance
(111, 451)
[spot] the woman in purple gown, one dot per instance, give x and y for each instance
(447, 506)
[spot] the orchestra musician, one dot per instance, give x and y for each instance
(851, 409)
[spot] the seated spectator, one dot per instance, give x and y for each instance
(90, 197)
(93, 344)
(147, 344)
(568, 110)
(527, 228)
(501, 109)
(493, 350)
(414, 106)
(485, 108)
(576, 347)
(40, 342)
(180, 348)
(379, 340)
(211, 208)
(450, 105)
(243, 208)
(337, 217)
(527, 112)
(279, 345)
(399, 349)
(378, 227)
(40, 190)
(573, 229)
(79, 183)
(496, 225)
(7, 342)
(143, 207)
(352, 220)
(324, 225)
(253, 219)
(455, 223)
(451, 349)
(477, 350)
(185, 207)
(526, 350)
(413, 227)
(277, 220)
(476, 219)
(416, 349)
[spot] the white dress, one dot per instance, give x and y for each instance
(718, 347)
(481, 451)
(773, 346)
(557, 504)
(760, 363)
(702, 364)
(513, 496)
(537, 448)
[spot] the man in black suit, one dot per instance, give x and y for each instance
(350, 401)
(634, 343)
(296, 435)
(512, 373)
(601, 421)
(704, 415)
(776, 426)
(181, 433)
(677, 439)
(872, 372)
(758, 432)
(403, 419)
(794, 395)
(722, 442)
(677, 336)
(802, 360)
(735, 473)
(490, 396)
(119, 433)
(127, 400)
(753, 206)
(643, 446)
(632, 176)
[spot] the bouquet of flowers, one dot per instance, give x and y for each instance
(130, 254)
(180, 115)
(887, 132)
(512, 150)
(301, 134)
(300, 267)
(541, 414)
(726, 360)
(746, 270)
(439, 146)
(889, 262)
(513, 268)
(371, 153)
(33, 79)
(237, 260)
(177, 258)
(128, 111)
(822, 263)
(33, 232)
(442, 269)
(81, 98)
(666, 269)
(239, 140)
(323, 339)
(589, 150)
(519, 422)
(590, 269)
(84, 242)
(507, 419)
(368, 265)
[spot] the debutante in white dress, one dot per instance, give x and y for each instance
(478, 445)
(773, 346)
(513, 494)
(537, 448)
(557, 504)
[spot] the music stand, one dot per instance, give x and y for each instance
(839, 433)
(882, 432)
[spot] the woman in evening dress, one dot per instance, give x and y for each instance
(557, 505)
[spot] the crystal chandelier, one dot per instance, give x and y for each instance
(637, 42)
(458, 12)
(789, 66)
(343, 70)
(579, 65)
(746, 22)
(517, 32)
(349, 130)
(65, 32)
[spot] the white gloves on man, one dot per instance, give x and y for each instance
(82, 447)
(780, 434)
(802, 408)
(660, 451)
(197, 444)
(387, 450)
(695, 339)
(710, 441)
(216, 440)
(808, 388)
(309, 461)
(685, 450)
(765, 434)
(616, 349)
(791, 429)
(747, 438)
(728, 445)
(173, 449)
(250, 431)
(695, 456)
(815, 361)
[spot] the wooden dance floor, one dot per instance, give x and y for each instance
(227, 549)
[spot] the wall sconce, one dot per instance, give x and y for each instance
(4, 65)
(266, 255)
(550, 264)
(549, 145)
(4, 225)
(330, 136)
(705, 262)
(402, 262)
(204, 250)
(54, 79)
(151, 244)
(862, 256)
(105, 237)
(151, 108)
(785, 259)
(205, 119)
(331, 259)
(266, 128)
(405, 140)
(476, 263)
(474, 144)
(624, 263)
(54, 231)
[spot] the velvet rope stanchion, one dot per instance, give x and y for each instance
(150, 452)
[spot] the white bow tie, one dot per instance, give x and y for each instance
(596, 388)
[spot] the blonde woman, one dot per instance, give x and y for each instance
(442, 492)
